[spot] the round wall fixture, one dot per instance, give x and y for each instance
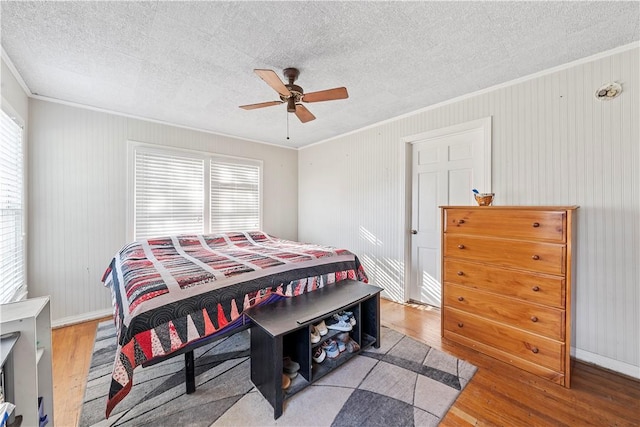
(608, 91)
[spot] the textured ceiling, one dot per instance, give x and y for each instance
(191, 63)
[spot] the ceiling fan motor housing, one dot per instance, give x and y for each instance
(291, 105)
(292, 74)
(295, 96)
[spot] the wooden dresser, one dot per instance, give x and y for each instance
(506, 275)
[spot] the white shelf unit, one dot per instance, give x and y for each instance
(32, 371)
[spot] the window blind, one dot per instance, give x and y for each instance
(193, 192)
(12, 252)
(235, 196)
(169, 194)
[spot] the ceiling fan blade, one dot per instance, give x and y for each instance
(260, 105)
(326, 95)
(272, 79)
(303, 114)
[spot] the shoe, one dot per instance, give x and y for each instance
(349, 317)
(286, 382)
(352, 346)
(347, 342)
(322, 328)
(315, 335)
(319, 355)
(331, 348)
(339, 325)
(341, 346)
(340, 316)
(289, 366)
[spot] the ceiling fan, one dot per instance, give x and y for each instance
(293, 94)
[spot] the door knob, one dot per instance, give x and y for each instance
(414, 231)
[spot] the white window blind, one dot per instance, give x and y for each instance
(169, 195)
(235, 196)
(190, 192)
(12, 265)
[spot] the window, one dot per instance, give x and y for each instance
(235, 196)
(169, 195)
(12, 248)
(190, 192)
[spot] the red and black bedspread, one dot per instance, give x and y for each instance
(171, 291)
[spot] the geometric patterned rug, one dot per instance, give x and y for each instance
(403, 383)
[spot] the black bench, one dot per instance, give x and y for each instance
(283, 329)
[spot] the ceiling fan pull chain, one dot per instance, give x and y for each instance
(287, 125)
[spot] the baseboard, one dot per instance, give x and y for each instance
(608, 363)
(72, 320)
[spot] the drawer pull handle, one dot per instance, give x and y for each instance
(460, 273)
(535, 257)
(460, 298)
(534, 319)
(460, 324)
(460, 246)
(461, 221)
(535, 288)
(536, 224)
(534, 350)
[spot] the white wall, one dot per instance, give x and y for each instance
(78, 197)
(553, 144)
(13, 94)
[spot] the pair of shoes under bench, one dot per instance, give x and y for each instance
(319, 355)
(350, 345)
(321, 328)
(290, 368)
(347, 316)
(338, 324)
(331, 348)
(315, 335)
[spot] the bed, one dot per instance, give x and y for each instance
(171, 293)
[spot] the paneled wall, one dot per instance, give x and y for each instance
(553, 143)
(78, 197)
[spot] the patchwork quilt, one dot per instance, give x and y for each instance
(172, 291)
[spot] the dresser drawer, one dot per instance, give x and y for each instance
(533, 348)
(541, 289)
(515, 224)
(534, 256)
(534, 318)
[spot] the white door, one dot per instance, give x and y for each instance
(446, 165)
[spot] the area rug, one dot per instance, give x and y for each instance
(403, 383)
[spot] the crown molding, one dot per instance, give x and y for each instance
(604, 54)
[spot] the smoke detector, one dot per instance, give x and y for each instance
(608, 91)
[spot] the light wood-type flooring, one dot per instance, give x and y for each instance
(498, 395)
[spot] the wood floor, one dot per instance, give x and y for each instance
(498, 395)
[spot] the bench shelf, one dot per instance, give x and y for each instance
(284, 329)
